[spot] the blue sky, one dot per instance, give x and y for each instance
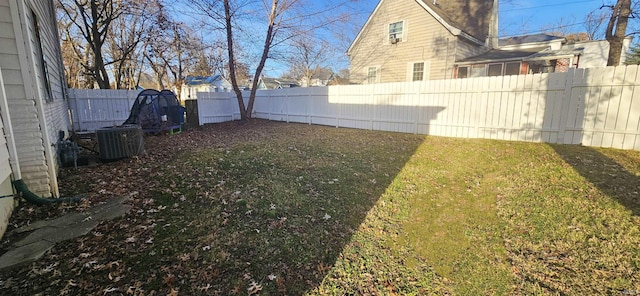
(517, 17)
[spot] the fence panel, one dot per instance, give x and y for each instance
(92, 109)
(593, 107)
(216, 107)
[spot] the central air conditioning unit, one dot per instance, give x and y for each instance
(120, 142)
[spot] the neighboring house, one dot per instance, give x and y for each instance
(335, 79)
(539, 53)
(409, 40)
(33, 87)
(194, 84)
(276, 83)
(320, 77)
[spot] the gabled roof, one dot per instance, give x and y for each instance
(467, 18)
(201, 80)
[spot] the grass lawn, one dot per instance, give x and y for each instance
(270, 208)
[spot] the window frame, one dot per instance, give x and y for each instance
(466, 72)
(506, 64)
(488, 71)
(422, 71)
(376, 77)
(399, 35)
(44, 67)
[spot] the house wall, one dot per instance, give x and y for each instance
(424, 40)
(596, 53)
(6, 203)
(190, 91)
(37, 115)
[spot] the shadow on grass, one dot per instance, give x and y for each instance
(607, 174)
(283, 205)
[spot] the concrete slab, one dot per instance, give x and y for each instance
(25, 254)
(44, 234)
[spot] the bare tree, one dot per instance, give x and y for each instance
(283, 20)
(616, 30)
(123, 43)
(73, 55)
(593, 24)
(308, 55)
(173, 50)
(93, 20)
(561, 28)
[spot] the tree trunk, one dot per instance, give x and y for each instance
(232, 62)
(265, 53)
(100, 71)
(616, 30)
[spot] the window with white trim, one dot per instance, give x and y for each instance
(395, 32)
(418, 71)
(372, 75)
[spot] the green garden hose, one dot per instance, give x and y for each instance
(35, 199)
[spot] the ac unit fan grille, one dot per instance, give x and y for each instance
(120, 142)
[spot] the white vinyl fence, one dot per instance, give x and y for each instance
(92, 109)
(593, 107)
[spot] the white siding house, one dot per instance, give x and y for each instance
(34, 92)
(194, 84)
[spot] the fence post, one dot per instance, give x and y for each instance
(564, 107)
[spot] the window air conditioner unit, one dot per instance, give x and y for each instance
(393, 39)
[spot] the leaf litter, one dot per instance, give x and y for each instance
(278, 209)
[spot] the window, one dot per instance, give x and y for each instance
(372, 75)
(418, 71)
(463, 72)
(395, 32)
(512, 68)
(494, 70)
(39, 57)
(477, 71)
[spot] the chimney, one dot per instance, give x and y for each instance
(492, 36)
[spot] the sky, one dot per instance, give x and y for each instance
(517, 17)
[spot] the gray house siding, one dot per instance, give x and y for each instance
(37, 105)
